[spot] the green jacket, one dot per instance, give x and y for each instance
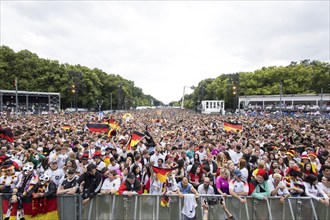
(261, 191)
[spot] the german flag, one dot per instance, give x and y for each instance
(161, 173)
(165, 202)
(66, 127)
(7, 133)
(112, 133)
(101, 128)
(40, 209)
(135, 138)
(230, 126)
(115, 124)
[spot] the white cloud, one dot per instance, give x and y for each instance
(163, 46)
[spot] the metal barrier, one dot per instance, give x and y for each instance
(148, 206)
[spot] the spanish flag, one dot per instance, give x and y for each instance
(135, 138)
(101, 128)
(230, 126)
(161, 173)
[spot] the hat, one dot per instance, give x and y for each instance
(97, 155)
(130, 175)
(312, 154)
(71, 170)
(304, 157)
(237, 173)
(290, 153)
(263, 173)
(174, 148)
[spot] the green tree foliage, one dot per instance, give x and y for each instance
(89, 85)
(305, 77)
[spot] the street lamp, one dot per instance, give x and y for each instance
(99, 103)
(120, 95)
(182, 102)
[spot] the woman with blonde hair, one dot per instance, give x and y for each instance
(222, 182)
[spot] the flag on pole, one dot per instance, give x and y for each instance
(231, 126)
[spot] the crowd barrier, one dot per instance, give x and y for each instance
(149, 207)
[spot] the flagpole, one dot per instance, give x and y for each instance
(16, 107)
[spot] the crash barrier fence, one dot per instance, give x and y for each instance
(147, 206)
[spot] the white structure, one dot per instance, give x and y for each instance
(294, 100)
(213, 107)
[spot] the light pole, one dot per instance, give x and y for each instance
(182, 102)
(99, 103)
(111, 101)
(281, 87)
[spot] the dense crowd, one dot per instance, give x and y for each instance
(270, 157)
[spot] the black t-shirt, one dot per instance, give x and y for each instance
(69, 184)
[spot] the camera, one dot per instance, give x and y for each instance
(214, 201)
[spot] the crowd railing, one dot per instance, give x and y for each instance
(148, 206)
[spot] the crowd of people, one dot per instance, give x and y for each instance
(282, 156)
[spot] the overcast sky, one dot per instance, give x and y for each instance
(165, 45)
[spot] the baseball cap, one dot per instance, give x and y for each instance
(237, 173)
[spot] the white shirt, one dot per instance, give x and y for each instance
(57, 176)
(235, 156)
(238, 187)
(201, 190)
(114, 184)
(154, 159)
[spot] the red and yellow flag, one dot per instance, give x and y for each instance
(161, 173)
(135, 138)
(114, 124)
(231, 126)
(42, 209)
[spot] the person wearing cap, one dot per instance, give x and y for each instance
(314, 160)
(56, 174)
(261, 191)
(238, 188)
(111, 184)
(92, 179)
(9, 178)
(69, 185)
(131, 186)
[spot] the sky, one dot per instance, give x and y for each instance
(163, 46)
